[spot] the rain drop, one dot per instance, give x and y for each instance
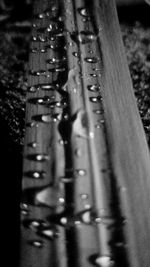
(38, 157)
(75, 54)
(91, 59)
(95, 99)
(78, 152)
(83, 12)
(80, 172)
(85, 37)
(35, 174)
(104, 261)
(98, 111)
(93, 88)
(32, 89)
(49, 233)
(84, 196)
(39, 100)
(45, 118)
(66, 180)
(32, 144)
(36, 243)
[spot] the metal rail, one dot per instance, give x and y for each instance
(86, 175)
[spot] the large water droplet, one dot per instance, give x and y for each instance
(86, 216)
(35, 174)
(104, 261)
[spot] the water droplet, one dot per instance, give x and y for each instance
(93, 88)
(61, 200)
(86, 217)
(32, 89)
(83, 37)
(42, 39)
(77, 222)
(57, 69)
(45, 118)
(66, 180)
(94, 75)
(42, 51)
(34, 25)
(32, 144)
(42, 196)
(48, 87)
(56, 117)
(91, 59)
(24, 209)
(84, 196)
(80, 172)
(56, 60)
(91, 52)
(95, 99)
(78, 152)
(24, 206)
(63, 142)
(41, 16)
(34, 224)
(34, 38)
(35, 174)
(34, 50)
(75, 54)
(49, 233)
(37, 73)
(54, 47)
(83, 12)
(104, 261)
(98, 111)
(97, 126)
(63, 220)
(39, 100)
(36, 243)
(31, 124)
(38, 157)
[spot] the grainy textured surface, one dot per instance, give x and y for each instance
(137, 37)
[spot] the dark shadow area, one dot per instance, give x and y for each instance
(10, 165)
(132, 13)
